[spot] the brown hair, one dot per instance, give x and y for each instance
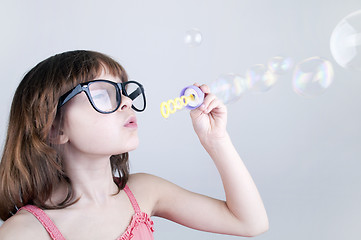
(31, 167)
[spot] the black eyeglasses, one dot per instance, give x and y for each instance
(105, 96)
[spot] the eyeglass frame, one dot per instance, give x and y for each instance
(119, 87)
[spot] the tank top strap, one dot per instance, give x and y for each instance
(45, 221)
(132, 199)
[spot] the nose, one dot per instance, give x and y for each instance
(126, 103)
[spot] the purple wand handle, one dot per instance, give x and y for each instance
(196, 92)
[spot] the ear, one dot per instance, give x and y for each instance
(57, 135)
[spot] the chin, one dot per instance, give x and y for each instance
(131, 145)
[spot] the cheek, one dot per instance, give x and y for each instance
(99, 134)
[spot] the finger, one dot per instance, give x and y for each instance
(205, 88)
(215, 104)
(207, 101)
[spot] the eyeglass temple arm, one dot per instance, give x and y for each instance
(65, 98)
(135, 94)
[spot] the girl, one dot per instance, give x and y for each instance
(64, 171)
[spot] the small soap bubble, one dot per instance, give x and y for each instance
(260, 78)
(345, 42)
(312, 76)
(280, 65)
(193, 37)
(229, 87)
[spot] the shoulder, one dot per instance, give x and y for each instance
(168, 200)
(146, 183)
(148, 190)
(22, 225)
(156, 191)
(142, 179)
(143, 184)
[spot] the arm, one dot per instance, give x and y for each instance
(242, 197)
(243, 212)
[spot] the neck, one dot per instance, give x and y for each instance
(91, 179)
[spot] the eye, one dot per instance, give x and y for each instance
(100, 95)
(101, 99)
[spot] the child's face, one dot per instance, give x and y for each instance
(88, 132)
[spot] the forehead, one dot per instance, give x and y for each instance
(106, 75)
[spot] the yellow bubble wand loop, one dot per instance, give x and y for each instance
(191, 97)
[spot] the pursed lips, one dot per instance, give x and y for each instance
(131, 122)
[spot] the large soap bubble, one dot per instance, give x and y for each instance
(280, 65)
(260, 78)
(312, 76)
(229, 87)
(345, 42)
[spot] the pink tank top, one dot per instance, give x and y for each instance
(140, 227)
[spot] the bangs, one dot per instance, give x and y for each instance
(87, 66)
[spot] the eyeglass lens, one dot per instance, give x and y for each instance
(106, 99)
(136, 94)
(104, 96)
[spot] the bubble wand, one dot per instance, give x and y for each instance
(191, 97)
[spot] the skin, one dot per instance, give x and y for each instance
(86, 156)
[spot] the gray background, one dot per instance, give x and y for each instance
(304, 153)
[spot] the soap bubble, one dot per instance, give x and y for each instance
(193, 37)
(260, 78)
(312, 76)
(345, 42)
(280, 65)
(229, 87)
